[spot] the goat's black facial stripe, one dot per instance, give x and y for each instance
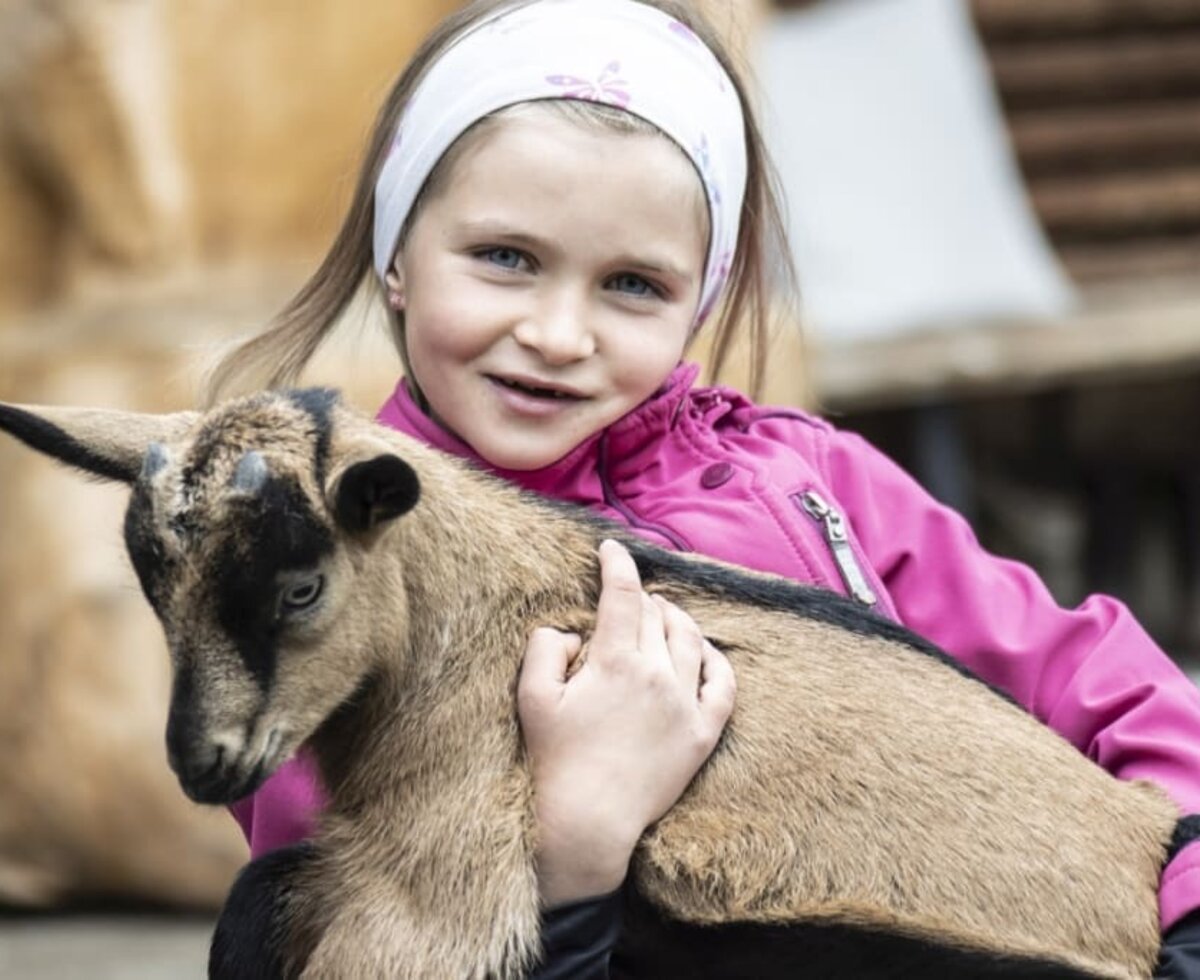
(274, 531)
(145, 548)
(48, 438)
(318, 403)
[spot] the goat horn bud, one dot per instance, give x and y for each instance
(155, 459)
(251, 473)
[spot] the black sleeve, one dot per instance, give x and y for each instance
(578, 939)
(1179, 958)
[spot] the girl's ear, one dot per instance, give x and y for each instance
(394, 281)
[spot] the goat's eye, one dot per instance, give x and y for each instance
(302, 594)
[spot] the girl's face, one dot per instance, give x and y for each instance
(551, 284)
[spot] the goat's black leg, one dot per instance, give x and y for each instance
(653, 945)
(248, 941)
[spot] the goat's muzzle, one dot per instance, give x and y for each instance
(216, 769)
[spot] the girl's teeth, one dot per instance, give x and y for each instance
(537, 392)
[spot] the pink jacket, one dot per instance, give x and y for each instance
(704, 469)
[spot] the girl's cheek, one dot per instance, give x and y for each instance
(658, 340)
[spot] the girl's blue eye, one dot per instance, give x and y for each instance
(627, 282)
(506, 258)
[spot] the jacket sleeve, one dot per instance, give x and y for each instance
(1091, 673)
(578, 939)
(1180, 955)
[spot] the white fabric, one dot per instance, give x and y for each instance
(619, 52)
(905, 206)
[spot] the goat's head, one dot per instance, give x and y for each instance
(246, 527)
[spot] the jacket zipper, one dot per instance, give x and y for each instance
(834, 527)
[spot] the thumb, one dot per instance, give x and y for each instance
(548, 656)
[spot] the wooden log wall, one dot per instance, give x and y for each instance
(1103, 103)
(1102, 98)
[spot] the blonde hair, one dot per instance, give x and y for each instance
(276, 356)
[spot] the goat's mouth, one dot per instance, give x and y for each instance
(223, 780)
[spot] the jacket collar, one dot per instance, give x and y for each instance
(573, 476)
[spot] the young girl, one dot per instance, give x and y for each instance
(557, 195)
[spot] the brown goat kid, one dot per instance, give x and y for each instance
(870, 811)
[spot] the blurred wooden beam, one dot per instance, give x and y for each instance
(1079, 140)
(1134, 259)
(1096, 70)
(1113, 205)
(1121, 334)
(1001, 19)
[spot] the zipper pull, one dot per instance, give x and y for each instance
(834, 526)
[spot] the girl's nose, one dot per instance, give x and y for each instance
(558, 332)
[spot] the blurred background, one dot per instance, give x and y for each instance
(994, 207)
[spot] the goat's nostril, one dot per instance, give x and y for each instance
(198, 765)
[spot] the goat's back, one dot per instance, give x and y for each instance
(866, 785)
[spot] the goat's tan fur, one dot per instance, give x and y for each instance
(859, 780)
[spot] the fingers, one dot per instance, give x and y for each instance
(718, 688)
(619, 611)
(548, 656)
(652, 641)
(685, 642)
(630, 622)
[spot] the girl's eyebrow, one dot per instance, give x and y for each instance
(662, 267)
(499, 230)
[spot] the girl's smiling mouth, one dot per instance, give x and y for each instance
(535, 388)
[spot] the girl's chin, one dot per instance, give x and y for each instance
(524, 455)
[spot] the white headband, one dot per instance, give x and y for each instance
(618, 52)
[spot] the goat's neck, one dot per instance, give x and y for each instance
(471, 569)
(475, 562)
(473, 551)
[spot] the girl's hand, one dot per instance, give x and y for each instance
(614, 747)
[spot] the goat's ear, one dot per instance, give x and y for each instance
(374, 491)
(103, 442)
